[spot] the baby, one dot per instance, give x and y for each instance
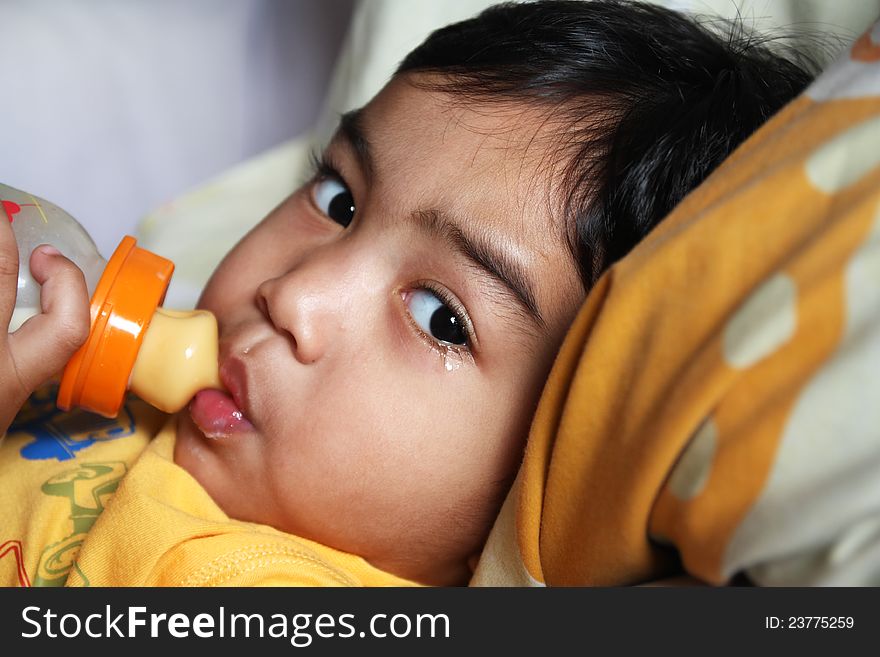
(386, 331)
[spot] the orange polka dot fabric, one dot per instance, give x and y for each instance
(716, 404)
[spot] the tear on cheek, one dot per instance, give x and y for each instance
(451, 360)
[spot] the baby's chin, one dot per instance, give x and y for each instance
(187, 448)
(194, 453)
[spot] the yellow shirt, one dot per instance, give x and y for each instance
(86, 501)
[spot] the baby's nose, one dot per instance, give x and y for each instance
(316, 304)
(295, 315)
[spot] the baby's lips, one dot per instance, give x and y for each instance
(233, 378)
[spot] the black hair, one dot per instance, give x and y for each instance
(651, 101)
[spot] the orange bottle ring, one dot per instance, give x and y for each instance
(131, 287)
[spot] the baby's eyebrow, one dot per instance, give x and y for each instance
(351, 129)
(485, 255)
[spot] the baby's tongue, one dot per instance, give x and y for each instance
(216, 414)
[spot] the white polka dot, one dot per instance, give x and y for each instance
(845, 159)
(765, 322)
(691, 473)
(846, 79)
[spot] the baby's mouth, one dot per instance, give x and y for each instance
(217, 415)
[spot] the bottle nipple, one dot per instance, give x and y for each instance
(177, 358)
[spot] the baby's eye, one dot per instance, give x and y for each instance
(436, 318)
(334, 199)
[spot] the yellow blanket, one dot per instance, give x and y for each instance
(716, 405)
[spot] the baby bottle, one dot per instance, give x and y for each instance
(163, 356)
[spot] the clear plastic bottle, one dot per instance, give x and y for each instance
(163, 356)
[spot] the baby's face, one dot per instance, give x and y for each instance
(385, 334)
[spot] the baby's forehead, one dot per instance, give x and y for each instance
(530, 133)
(501, 153)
